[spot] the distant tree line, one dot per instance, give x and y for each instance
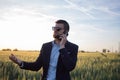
(103, 51)
(9, 49)
(81, 51)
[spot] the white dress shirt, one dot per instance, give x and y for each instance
(53, 62)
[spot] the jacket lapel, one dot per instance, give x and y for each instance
(49, 48)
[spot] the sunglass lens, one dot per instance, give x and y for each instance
(56, 29)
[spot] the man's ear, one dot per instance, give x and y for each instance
(66, 33)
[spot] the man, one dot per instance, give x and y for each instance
(57, 57)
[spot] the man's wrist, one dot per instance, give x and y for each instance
(61, 47)
(20, 63)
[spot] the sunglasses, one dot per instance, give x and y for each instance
(56, 28)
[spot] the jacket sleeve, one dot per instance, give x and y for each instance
(34, 66)
(69, 58)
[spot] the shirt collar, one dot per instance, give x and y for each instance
(53, 43)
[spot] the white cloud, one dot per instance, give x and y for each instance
(107, 10)
(89, 7)
(79, 8)
(23, 27)
(29, 22)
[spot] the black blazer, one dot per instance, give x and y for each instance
(66, 61)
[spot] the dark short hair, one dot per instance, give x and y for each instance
(65, 23)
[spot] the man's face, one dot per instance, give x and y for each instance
(58, 29)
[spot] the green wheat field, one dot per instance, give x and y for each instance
(90, 66)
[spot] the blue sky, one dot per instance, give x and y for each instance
(26, 24)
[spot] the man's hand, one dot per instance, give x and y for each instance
(15, 59)
(63, 41)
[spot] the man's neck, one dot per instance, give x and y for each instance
(57, 41)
